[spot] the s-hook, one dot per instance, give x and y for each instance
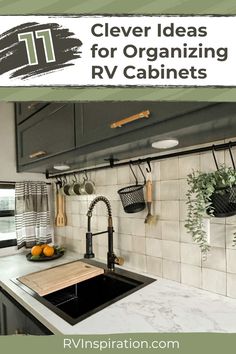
(231, 154)
(214, 156)
(149, 168)
(138, 163)
(75, 178)
(59, 181)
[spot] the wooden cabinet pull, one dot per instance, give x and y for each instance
(120, 123)
(37, 154)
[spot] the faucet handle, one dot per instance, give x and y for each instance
(119, 261)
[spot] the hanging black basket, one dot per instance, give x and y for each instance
(224, 199)
(223, 202)
(132, 197)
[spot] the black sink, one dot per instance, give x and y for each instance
(81, 300)
(92, 294)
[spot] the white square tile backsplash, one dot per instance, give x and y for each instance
(154, 247)
(184, 235)
(171, 250)
(217, 235)
(216, 259)
(169, 190)
(164, 249)
(170, 210)
(207, 162)
(170, 230)
(231, 260)
(191, 275)
(139, 245)
(231, 285)
(187, 164)
(230, 230)
(171, 270)
(169, 169)
(214, 281)
(190, 254)
(154, 266)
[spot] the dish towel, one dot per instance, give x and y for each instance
(32, 214)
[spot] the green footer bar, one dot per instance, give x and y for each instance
(181, 343)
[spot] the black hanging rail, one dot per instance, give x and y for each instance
(147, 160)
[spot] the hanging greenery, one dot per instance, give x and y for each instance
(199, 200)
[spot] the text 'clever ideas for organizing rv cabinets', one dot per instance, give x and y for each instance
(155, 58)
(118, 51)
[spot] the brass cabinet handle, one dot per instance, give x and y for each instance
(120, 123)
(37, 154)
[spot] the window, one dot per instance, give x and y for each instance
(7, 215)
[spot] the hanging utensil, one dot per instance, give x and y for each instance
(150, 219)
(55, 187)
(60, 217)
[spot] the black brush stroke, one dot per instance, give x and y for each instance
(13, 55)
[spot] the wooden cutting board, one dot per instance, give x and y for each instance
(47, 281)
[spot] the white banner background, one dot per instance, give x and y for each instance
(220, 33)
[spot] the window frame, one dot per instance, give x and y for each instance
(5, 213)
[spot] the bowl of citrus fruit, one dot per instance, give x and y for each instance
(45, 252)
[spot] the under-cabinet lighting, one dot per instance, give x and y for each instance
(165, 144)
(61, 167)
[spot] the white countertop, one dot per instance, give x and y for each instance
(163, 306)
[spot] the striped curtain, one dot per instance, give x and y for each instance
(32, 214)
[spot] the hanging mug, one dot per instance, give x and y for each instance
(64, 190)
(87, 187)
(75, 187)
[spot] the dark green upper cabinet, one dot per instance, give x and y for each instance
(47, 133)
(24, 110)
(81, 134)
(94, 120)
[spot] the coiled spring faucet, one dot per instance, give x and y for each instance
(112, 259)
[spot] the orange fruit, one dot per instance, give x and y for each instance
(43, 245)
(48, 251)
(36, 250)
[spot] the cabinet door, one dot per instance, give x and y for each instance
(24, 110)
(35, 328)
(16, 320)
(47, 133)
(94, 120)
(13, 321)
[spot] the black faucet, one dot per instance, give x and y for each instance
(112, 259)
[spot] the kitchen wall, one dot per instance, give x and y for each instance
(164, 249)
(8, 149)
